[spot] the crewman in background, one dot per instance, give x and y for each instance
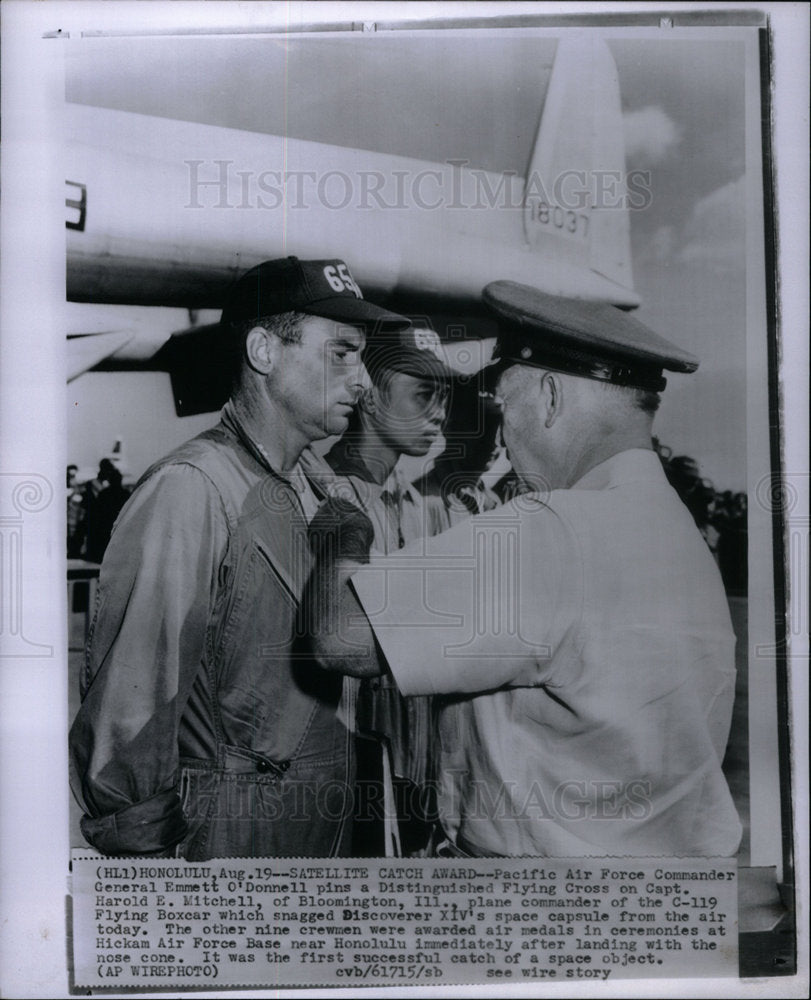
(400, 413)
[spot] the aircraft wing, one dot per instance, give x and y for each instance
(168, 213)
(85, 351)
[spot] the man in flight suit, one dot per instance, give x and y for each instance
(201, 733)
(583, 628)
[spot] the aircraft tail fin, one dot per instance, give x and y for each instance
(576, 190)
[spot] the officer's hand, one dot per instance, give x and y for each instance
(340, 530)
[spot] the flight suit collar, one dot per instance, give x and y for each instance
(231, 420)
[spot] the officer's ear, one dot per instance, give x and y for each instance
(262, 350)
(552, 397)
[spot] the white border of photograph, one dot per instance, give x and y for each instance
(33, 700)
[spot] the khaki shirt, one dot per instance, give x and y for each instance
(585, 641)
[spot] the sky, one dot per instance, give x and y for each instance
(453, 96)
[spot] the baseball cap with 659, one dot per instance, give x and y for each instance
(314, 287)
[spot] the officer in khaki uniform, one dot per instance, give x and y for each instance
(582, 628)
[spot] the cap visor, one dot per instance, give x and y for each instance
(359, 312)
(418, 364)
(430, 367)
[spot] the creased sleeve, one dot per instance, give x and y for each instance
(148, 639)
(479, 607)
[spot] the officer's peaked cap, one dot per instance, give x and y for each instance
(592, 339)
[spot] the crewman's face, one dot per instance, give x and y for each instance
(408, 412)
(518, 394)
(320, 378)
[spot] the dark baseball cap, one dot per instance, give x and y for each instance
(592, 339)
(415, 351)
(315, 287)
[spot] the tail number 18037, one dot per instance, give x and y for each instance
(564, 219)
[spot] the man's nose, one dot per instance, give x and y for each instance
(358, 380)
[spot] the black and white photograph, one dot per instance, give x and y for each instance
(428, 602)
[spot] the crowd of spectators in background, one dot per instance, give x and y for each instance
(92, 508)
(455, 484)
